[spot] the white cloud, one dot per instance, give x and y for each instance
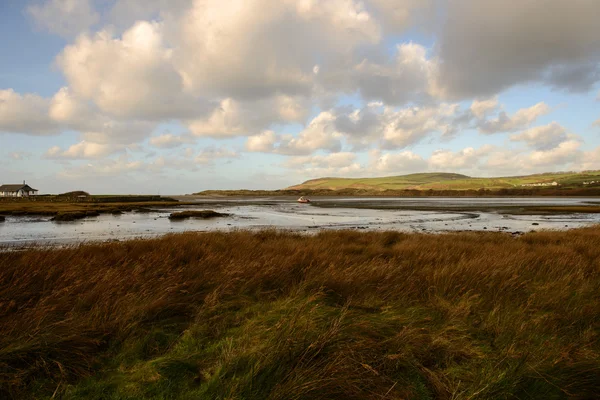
(482, 108)
(445, 160)
(83, 150)
(169, 141)
(320, 134)
(284, 40)
(129, 77)
(566, 152)
(339, 164)
(397, 163)
(411, 125)
(542, 137)
(264, 142)
(244, 118)
(26, 114)
(521, 119)
(64, 17)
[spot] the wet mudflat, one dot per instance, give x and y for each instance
(401, 214)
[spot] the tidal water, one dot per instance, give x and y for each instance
(369, 214)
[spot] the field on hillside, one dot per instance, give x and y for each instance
(337, 315)
(443, 181)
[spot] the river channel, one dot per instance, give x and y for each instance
(369, 214)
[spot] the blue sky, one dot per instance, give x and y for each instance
(131, 96)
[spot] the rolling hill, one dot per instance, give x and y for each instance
(449, 181)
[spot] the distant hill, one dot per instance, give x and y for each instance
(449, 181)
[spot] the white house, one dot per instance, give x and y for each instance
(17, 190)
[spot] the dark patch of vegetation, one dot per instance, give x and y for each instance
(337, 315)
(69, 216)
(50, 208)
(75, 194)
(205, 214)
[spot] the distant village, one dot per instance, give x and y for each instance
(541, 184)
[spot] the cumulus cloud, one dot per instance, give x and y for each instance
(565, 152)
(129, 77)
(244, 118)
(482, 108)
(83, 150)
(284, 41)
(27, 113)
(445, 160)
(485, 47)
(396, 163)
(320, 134)
(64, 17)
(542, 137)
(170, 141)
(507, 123)
(342, 164)
(264, 142)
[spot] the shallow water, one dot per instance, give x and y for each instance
(334, 213)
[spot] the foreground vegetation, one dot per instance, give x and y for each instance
(338, 315)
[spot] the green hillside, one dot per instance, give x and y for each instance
(448, 181)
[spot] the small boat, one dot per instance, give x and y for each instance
(303, 200)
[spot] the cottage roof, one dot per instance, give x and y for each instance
(16, 188)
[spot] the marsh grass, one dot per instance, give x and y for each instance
(337, 315)
(70, 211)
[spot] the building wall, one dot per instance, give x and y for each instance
(20, 193)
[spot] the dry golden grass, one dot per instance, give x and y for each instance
(338, 315)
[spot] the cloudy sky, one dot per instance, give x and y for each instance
(177, 96)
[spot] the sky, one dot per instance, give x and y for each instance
(179, 96)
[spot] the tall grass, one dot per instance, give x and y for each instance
(338, 315)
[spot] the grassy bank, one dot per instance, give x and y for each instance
(338, 315)
(373, 192)
(458, 182)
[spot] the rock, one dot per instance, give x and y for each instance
(535, 224)
(2, 218)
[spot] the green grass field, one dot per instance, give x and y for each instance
(448, 181)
